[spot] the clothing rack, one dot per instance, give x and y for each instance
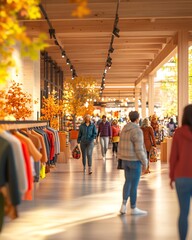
(11, 125)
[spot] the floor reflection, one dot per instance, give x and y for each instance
(71, 205)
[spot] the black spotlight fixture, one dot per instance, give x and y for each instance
(116, 32)
(56, 43)
(109, 65)
(74, 74)
(71, 68)
(111, 49)
(109, 60)
(68, 61)
(52, 33)
(63, 54)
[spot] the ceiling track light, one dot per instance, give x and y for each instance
(56, 43)
(71, 68)
(52, 33)
(109, 60)
(111, 49)
(116, 32)
(109, 65)
(68, 61)
(74, 73)
(63, 54)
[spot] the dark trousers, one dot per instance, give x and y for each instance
(115, 147)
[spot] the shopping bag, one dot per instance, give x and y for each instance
(153, 154)
(76, 153)
(115, 139)
(120, 164)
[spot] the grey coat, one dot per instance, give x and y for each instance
(131, 145)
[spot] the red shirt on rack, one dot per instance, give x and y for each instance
(28, 194)
(51, 138)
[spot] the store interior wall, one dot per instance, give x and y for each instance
(27, 72)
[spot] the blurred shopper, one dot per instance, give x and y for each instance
(155, 124)
(87, 134)
(171, 126)
(181, 168)
(149, 138)
(104, 131)
(133, 155)
(115, 136)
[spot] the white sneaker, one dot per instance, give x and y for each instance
(103, 158)
(137, 211)
(84, 170)
(90, 170)
(123, 209)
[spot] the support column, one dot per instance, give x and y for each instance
(183, 98)
(136, 99)
(143, 100)
(151, 94)
(31, 82)
(27, 72)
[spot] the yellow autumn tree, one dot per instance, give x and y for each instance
(76, 94)
(12, 32)
(2, 105)
(15, 102)
(52, 109)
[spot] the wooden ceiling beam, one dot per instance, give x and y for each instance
(128, 9)
(120, 56)
(83, 47)
(122, 40)
(169, 48)
(63, 28)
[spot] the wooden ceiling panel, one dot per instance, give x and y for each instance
(128, 9)
(148, 31)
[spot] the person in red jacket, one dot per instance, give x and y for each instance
(181, 168)
(115, 136)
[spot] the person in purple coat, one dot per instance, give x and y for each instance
(104, 130)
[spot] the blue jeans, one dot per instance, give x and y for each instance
(132, 171)
(104, 141)
(87, 150)
(184, 193)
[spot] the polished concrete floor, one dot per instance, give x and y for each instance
(69, 205)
